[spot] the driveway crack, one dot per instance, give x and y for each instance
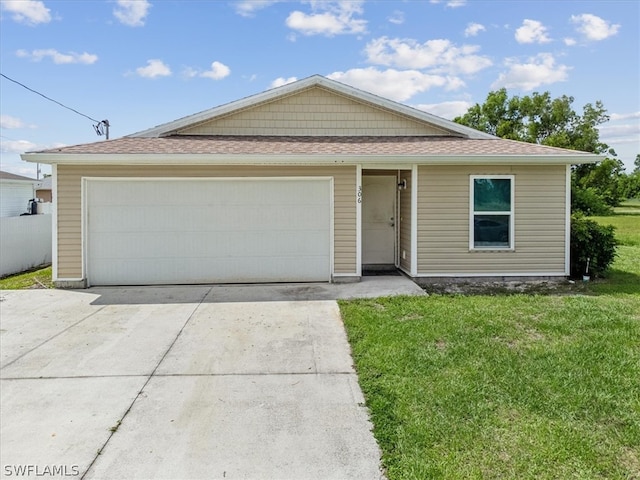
(51, 338)
(141, 391)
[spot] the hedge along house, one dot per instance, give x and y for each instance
(311, 181)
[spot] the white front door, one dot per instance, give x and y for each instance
(378, 219)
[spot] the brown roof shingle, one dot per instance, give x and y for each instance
(311, 145)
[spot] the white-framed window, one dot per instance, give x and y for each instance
(491, 212)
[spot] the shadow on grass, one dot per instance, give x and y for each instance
(617, 281)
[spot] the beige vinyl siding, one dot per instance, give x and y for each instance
(443, 221)
(316, 112)
(405, 221)
(70, 203)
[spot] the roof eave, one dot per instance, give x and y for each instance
(280, 159)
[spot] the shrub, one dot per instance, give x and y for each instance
(589, 202)
(630, 185)
(593, 243)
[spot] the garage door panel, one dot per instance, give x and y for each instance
(203, 270)
(204, 244)
(204, 218)
(212, 231)
(202, 192)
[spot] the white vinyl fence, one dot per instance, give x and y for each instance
(25, 242)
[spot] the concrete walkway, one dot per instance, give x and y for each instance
(212, 382)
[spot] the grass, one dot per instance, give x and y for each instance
(624, 275)
(501, 387)
(40, 278)
(507, 386)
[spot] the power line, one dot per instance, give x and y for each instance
(99, 123)
(48, 98)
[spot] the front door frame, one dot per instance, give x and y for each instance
(396, 212)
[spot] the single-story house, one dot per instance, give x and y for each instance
(311, 181)
(15, 193)
(43, 190)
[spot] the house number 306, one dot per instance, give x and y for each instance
(359, 194)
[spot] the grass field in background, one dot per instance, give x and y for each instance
(624, 275)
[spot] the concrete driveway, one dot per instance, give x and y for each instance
(184, 382)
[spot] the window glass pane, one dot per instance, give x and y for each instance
(492, 194)
(491, 230)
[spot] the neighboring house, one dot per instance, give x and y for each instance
(43, 190)
(15, 193)
(311, 181)
(25, 241)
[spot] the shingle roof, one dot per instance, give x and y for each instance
(13, 176)
(312, 145)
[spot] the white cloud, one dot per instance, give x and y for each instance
(473, 29)
(623, 116)
(58, 57)
(329, 18)
(569, 42)
(451, 3)
(132, 12)
(623, 133)
(532, 31)
(398, 85)
(247, 8)
(278, 82)
(629, 132)
(16, 146)
(441, 56)
(593, 27)
(9, 122)
(217, 72)
(448, 110)
(155, 68)
(29, 12)
(190, 72)
(397, 17)
(539, 70)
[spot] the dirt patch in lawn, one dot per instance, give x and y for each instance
(533, 287)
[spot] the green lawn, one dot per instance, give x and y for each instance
(40, 278)
(624, 275)
(507, 386)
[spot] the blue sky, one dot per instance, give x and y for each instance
(140, 63)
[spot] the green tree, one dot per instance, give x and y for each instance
(605, 178)
(538, 118)
(630, 184)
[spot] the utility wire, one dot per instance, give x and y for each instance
(50, 99)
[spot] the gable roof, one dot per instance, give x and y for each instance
(446, 142)
(7, 176)
(355, 94)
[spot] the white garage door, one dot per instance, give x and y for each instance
(155, 231)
